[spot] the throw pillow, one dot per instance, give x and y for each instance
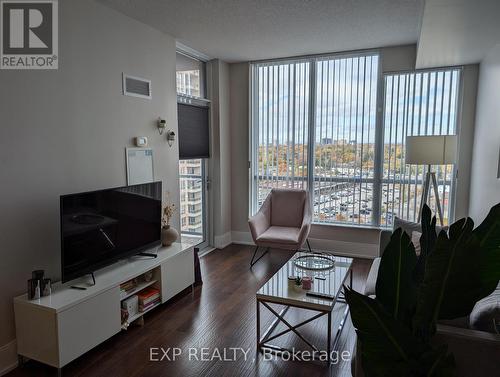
(415, 240)
(486, 314)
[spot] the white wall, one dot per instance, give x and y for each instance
(66, 131)
(485, 185)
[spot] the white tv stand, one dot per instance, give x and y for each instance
(57, 329)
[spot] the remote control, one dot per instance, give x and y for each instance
(320, 295)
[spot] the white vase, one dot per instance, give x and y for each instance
(168, 235)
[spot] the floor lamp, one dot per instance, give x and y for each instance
(431, 150)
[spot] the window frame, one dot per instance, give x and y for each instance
(378, 179)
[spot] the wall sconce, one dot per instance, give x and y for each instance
(162, 124)
(170, 137)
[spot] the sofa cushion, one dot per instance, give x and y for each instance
(280, 235)
(287, 207)
(486, 313)
(409, 226)
(371, 281)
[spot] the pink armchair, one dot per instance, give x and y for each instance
(283, 221)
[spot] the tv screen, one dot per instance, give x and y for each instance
(100, 227)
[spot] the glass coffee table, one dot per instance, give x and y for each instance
(278, 291)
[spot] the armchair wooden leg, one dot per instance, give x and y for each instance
(308, 245)
(252, 262)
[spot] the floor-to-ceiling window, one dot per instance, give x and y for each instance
(416, 104)
(315, 126)
(192, 172)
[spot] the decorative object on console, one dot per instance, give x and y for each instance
(431, 150)
(148, 276)
(38, 285)
(170, 137)
(47, 287)
(33, 289)
(162, 124)
(168, 234)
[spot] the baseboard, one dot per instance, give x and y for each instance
(206, 251)
(242, 238)
(344, 248)
(8, 357)
(222, 241)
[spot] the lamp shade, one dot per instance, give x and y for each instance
(431, 150)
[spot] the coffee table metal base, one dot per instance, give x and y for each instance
(263, 342)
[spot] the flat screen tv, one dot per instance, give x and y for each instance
(100, 227)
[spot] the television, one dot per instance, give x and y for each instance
(100, 227)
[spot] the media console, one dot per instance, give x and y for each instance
(58, 328)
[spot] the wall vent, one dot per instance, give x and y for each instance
(136, 87)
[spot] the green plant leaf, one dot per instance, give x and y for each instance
(436, 363)
(488, 237)
(451, 283)
(427, 242)
(388, 348)
(395, 288)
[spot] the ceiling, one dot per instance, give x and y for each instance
(456, 32)
(243, 30)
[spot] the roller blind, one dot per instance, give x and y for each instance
(193, 131)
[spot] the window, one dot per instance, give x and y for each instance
(192, 172)
(190, 75)
(416, 103)
(315, 125)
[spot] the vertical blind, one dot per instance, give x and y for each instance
(280, 127)
(315, 126)
(344, 148)
(416, 104)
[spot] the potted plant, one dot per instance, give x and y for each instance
(454, 270)
(168, 234)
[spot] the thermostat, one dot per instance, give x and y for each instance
(141, 141)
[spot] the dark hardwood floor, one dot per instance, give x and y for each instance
(220, 313)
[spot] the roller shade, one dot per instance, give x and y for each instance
(193, 131)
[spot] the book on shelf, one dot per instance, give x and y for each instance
(148, 292)
(148, 295)
(144, 307)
